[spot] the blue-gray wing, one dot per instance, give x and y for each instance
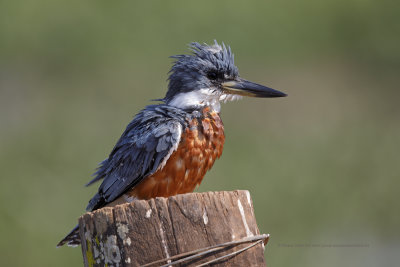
(146, 144)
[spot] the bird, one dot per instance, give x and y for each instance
(168, 147)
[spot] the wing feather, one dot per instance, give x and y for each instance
(145, 146)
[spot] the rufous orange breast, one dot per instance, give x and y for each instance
(201, 144)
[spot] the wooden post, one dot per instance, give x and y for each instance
(144, 231)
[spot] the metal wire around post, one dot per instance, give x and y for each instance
(184, 257)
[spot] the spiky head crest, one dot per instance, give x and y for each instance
(201, 69)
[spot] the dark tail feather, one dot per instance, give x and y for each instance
(95, 203)
(72, 239)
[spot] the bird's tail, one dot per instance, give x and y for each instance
(72, 239)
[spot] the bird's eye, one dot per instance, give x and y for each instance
(212, 75)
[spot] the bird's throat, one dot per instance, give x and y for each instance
(197, 99)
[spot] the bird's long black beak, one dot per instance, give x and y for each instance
(247, 88)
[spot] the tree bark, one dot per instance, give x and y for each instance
(144, 231)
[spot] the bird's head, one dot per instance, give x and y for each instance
(209, 76)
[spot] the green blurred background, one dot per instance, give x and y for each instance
(322, 165)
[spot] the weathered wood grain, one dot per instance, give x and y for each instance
(144, 231)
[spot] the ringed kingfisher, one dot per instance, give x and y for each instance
(167, 148)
